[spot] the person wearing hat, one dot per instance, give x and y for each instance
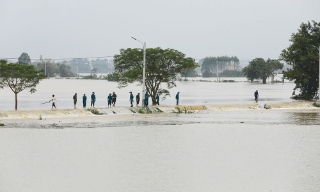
(131, 99)
(256, 96)
(177, 98)
(75, 100)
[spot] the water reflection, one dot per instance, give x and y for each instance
(303, 118)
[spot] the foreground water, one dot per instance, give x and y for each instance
(191, 93)
(269, 150)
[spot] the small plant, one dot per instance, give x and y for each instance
(316, 104)
(1, 124)
(40, 117)
(141, 111)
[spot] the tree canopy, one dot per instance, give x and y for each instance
(19, 77)
(24, 59)
(303, 55)
(258, 68)
(162, 66)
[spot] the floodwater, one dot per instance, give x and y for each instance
(236, 151)
(191, 93)
(229, 157)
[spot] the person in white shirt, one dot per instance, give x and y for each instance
(54, 100)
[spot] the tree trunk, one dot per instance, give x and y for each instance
(264, 80)
(16, 101)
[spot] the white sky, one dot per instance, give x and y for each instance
(198, 28)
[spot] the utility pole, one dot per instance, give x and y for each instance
(45, 65)
(144, 70)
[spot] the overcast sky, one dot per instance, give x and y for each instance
(199, 28)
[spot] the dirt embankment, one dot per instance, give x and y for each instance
(62, 113)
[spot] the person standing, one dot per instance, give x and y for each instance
(138, 98)
(75, 100)
(84, 100)
(54, 100)
(177, 97)
(146, 99)
(114, 99)
(93, 99)
(131, 99)
(256, 96)
(157, 99)
(109, 100)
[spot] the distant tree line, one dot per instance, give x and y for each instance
(85, 65)
(213, 65)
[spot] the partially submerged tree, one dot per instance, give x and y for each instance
(258, 68)
(19, 77)
(162, 66)
(24, 59)
(302, 54)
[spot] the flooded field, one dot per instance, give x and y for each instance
(269, 150)
(191, 93)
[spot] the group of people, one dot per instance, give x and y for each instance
(113, 98)
(84, 100)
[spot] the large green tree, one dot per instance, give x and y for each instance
(162, 66)
(19, 77)
(302, 54)
(258, 68)
(24, 59)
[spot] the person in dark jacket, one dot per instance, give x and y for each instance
(177, 98)
(93, 99)
(146, 99)
(84, 100)
(138, 98)
(157, 99)
(109, 100)
(114, 99)
(256, 96)
(75, 100)
(131, 99)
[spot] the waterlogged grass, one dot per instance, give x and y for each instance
(94, 111)
(316, 104)
(184, 110)
(159, 110)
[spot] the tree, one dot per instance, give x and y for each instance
(64, 70)
(303, 56)
(209, 64)
(189, 70)
(19, 77)
(24, 59)
(162, 66)
(258, 68)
